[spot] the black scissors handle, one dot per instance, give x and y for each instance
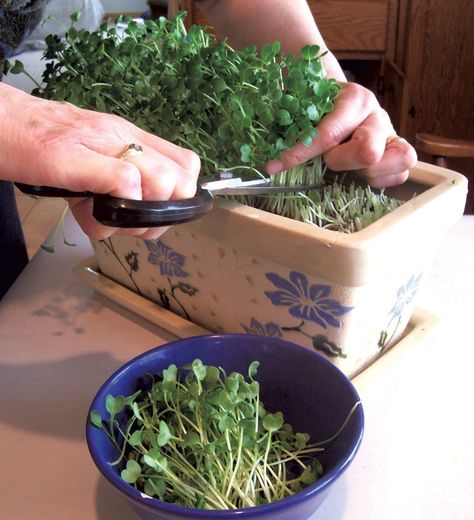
(49, 191)
(128, 213)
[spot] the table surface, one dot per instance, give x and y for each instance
(59, 340)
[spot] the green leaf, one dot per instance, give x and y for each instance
(74, 17)
(280, 144)
(96, 418)
(297, 86)
(199, 369)
(155, 487)
(164, 435)
(219, 85)
(135, 438)
(284, 118)
(114, 405)
(309, 52)
(170, 374)
(192, 439)
(155, 460)
(264, 113)
(312, 112)
(253, 367)
(308, 476)
(232, 382)
(245, 152)
(224, 131)
(226, 422)
(327, 107)
(48, 249)
(132, 471)
(136, 411)
(212, 376)
(130, 398)
(269, 51)
(290, 103)
(17, 68)
(315, 68)
(225, 401)
(254, 388)
(308, 135)
(302, 440)
(248, 426)
(273, 422)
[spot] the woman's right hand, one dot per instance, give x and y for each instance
(56, 144)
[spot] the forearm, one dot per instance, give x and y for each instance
(11, 101)
(246, 22)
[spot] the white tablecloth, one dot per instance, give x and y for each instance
(59, 340)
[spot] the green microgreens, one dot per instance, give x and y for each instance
(230, 106)
(51, 246)
(235, 109)
(200, 438)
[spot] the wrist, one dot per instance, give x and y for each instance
(333, 68)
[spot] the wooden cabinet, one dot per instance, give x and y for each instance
(428, 85)
(357, 29)
(351, 28)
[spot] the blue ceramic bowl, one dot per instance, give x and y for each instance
(314, 396)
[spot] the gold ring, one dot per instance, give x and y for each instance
(392, 138)
(131, 150)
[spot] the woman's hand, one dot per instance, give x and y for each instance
(356, 135)
(57, 144)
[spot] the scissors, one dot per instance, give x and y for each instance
(128, 213)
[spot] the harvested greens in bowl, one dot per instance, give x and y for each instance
(196, 435)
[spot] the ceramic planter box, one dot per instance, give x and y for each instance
(349, 296)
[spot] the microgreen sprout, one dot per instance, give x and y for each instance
(51, 246)
(198, 437)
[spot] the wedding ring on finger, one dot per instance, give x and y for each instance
(131, 150)
(392, 138)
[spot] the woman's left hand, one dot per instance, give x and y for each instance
(357, 135)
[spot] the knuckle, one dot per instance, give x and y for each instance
(409, 157)
(191, 162)
(368, 99)
(289, 162)
(331, 137)
(365, 97)
(369, 153)
(384, 117)
(403, 176)
(295, 156)
(128, 177)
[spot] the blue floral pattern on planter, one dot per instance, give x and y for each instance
(260, 329)
(405, 295)
(171, 264)
(306, 301)
(170, 261)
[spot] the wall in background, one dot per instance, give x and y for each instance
(123, 6)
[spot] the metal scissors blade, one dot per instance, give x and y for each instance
(263, 186)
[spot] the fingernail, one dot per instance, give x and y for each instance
(275, 167)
